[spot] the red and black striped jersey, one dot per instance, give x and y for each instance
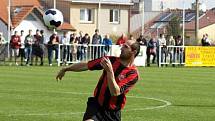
(125, 77)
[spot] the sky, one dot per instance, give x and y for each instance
(179, 3)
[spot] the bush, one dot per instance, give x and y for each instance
(114, 37)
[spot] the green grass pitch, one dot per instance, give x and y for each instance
(32, 94)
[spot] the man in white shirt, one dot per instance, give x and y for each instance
(65, 40)
(162, 44)
(22, 47)
(207, 40)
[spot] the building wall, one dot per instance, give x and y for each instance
(152, 5)
(3, 29)
(111, 28)
(190, 38)
(147, 5)
(105, 26)
(65, 9)
(72, 15)
(208, 30)
(136, 20)
(75, 18)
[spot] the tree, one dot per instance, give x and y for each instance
(173, 27)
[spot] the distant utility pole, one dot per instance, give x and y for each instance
(197, 20)
(8, 27)
(162, 5)
(183, 33)
(54, 4)
(142, 17)
(98, 16)
(54, 30)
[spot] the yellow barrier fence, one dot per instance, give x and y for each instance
(199, 56)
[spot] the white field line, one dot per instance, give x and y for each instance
(166, 103)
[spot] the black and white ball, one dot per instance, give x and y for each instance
(53, 18)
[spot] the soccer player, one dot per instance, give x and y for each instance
(119, 75)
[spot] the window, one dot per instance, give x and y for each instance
(86, 15)
(114, 16)
(17, 9)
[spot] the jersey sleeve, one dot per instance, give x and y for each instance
(128, 82)
(94, 64)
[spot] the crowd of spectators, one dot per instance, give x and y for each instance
(26, 50)
(74, 47)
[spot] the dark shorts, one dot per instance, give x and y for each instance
(97, 113)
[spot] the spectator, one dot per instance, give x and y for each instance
(42, 45)
(2, 39)
(178, 51)
(162, 44)
(207, 40)
(151, 50)
(142, 40)
(107, 42)
(132, 38)
(15, 44)
(53, 45)
(84, 44)
(37, 50)
(80, 36)
(96, 40)
(203, 40)
(28, 47)
(65, 40)
(22, 52)
(74, 48)
(72, 37)
(3, 46)
(121, 40)
(171, 42)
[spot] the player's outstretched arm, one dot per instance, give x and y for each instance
(74, 67)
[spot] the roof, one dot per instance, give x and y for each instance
(25, 8)
(24, 12)
(3, 11)
(158, 24)
(67, 26)
(4, 4)
(169, 14)
(114, 2)
(25, 3)
(207, 19)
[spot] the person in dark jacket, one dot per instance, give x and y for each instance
(15, 44)
(142, 40)
(53, 45)
(151, 50)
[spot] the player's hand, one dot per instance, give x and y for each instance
(106, 64)
(60, 74)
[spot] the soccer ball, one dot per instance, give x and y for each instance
(53, 18)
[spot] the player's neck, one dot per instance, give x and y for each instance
(127, 62)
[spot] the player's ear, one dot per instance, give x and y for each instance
(134, 52)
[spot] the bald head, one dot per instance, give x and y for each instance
(134, 46)
(129, 50)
